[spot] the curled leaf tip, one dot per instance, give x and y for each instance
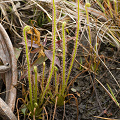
(36, 105)
(35, 68)
(115, 1)
(44, 64)
(87, 4)
(56, 69)
(26, 28)
(64, 23)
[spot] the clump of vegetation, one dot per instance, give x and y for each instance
(60, 87)
(66, 57)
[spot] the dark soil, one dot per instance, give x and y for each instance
(93, 100)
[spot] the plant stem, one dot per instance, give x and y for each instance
(87, 15)
(110, 8)
(36, 86)
(43, 74)
(115, 7)
(27, 28)
(53, 59)
(77, 35)
(63, 71)
(56, 85)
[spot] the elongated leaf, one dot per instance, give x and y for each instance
(49, 54)
(29, 44)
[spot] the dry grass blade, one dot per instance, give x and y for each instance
(93, 11)
(16, 12)
(106, 31)
(55, 108)
(18, 117)
(45, 112)
(107, 92)
(3, 9)
(103, 118)
(42, 9)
